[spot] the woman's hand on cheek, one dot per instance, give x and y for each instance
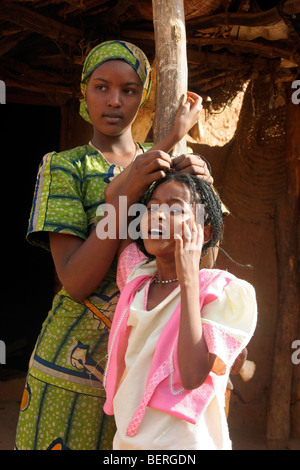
(188, 248)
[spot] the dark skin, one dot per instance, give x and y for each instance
(114, 94)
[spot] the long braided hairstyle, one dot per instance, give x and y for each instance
(201, 193)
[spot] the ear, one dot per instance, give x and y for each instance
(207, 233)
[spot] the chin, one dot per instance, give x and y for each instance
(159, 247)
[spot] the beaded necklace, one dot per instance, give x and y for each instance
(157, 281)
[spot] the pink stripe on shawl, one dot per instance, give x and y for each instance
(128, 259)
(220, 343)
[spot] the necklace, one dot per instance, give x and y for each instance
(157, 281)
(137, 150)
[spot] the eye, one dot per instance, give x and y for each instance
(129, 91)
(176, 210)
(152, 208)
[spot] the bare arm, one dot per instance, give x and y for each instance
(81, 265)
(194, 360)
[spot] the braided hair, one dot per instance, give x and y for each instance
(201, 193)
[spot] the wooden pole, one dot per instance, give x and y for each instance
(171, 66)
(278, 419)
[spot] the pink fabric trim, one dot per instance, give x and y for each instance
(220, 343)
(117, 342)
(162, 372)
(128, 259)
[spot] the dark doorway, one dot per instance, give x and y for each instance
(27, 133)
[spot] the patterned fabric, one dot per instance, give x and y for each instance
(128, 259)
(114, 50)
(66, 371)
(220, 343)
(159, 375)
(53, 418)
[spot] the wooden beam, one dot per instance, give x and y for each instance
(31, 20)
(287, 324)
(20, 75)
(269, 49)
(9, 42)
(224, 60)
(171, 66)
(88, 7)
(263, 18)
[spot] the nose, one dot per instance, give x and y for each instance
(162, 214)
(158, 212)
(114, 99)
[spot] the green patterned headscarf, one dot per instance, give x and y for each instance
(112, 50)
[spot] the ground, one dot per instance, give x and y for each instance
(10, 398)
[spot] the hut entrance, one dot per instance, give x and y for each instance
(27, 133)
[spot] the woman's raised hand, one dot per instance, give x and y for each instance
(187, 115)
(188, 248)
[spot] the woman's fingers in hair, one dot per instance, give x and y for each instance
(153, 161)
(194, 165)
(149, 167)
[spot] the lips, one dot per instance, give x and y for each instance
(112, 117)
(156, 232)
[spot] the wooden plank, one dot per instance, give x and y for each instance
(263, 18)
(171, 66)
(33, 21)
(269, 49)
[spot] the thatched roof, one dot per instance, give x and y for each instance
(43, 42)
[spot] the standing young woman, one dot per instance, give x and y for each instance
(177, 328)
(64, 394)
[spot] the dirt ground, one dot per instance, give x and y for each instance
(10, 398)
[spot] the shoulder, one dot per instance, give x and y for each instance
(218, 279)
(76, 162)
(230, 301)
(71, 156)
(143, 268)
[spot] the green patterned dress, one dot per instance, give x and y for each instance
(63, 397)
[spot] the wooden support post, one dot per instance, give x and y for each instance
(171, 66)
(286, 224)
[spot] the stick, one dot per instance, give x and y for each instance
(171, 63)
